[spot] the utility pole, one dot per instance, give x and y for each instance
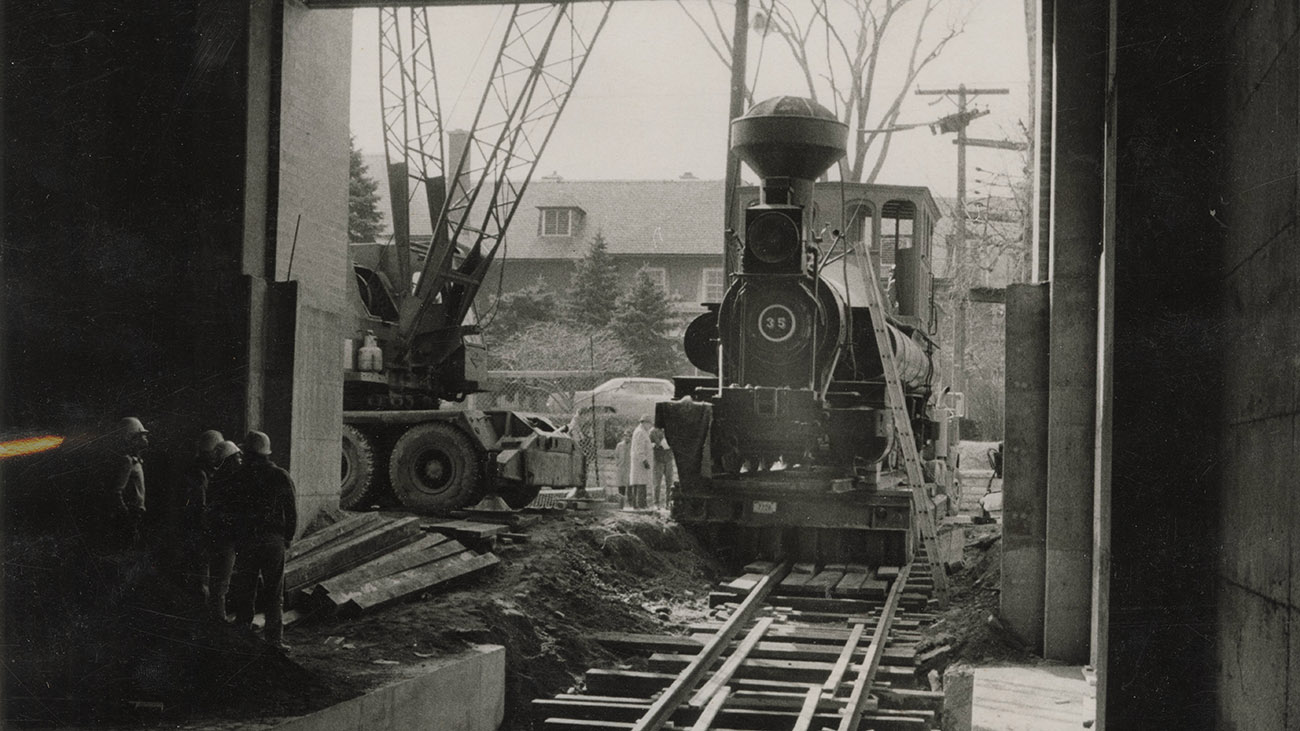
(739, 52)
(958, 122)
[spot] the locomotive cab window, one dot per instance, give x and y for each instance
(896, 224)
(857, 224)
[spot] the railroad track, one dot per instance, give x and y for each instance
(790, 647)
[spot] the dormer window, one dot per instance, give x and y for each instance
(559, 221)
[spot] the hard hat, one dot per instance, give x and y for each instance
(131, 425)
(208, 441)
(258, 443)
(225, 449)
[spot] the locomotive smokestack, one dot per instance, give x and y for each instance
(788, 141)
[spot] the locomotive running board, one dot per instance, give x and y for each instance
(921, 502)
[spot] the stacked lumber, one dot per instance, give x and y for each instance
(368, 561)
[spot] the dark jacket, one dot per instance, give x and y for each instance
(261, 500)
(195, 483)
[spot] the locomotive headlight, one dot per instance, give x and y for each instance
(772, 237)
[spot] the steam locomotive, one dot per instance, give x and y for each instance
(784, 449)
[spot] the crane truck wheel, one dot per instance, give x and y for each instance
(434, 468)
(357, 488)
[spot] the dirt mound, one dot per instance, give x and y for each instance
(973, 595)
(576, 575)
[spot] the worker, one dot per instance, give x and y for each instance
(190, 542)
(662, 479)
(640, 455)
(219, 524)
(622, 465)
(264, 500)
(126, 481)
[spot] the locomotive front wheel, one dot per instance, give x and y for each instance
(434, 468)
(357, 471)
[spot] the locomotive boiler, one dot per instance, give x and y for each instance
(780, 449)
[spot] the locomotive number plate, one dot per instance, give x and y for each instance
(765, 506)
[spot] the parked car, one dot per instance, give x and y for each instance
(602, 414)
(625, 397)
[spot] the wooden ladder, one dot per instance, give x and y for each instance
(922, 505)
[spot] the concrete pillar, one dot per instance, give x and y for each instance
(1024, 484)
(1077, 215)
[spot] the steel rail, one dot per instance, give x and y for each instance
(858, 699)
(676, 694)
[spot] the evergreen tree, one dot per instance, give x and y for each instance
(642, 319)
(515, 312)
(593, 291)
(365, 220)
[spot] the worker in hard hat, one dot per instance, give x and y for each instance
(264, 498)
(126, 481)
(220, 525)
(190, 542)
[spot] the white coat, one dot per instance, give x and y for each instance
(642, 456)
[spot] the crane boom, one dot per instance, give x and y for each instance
(412, 120)
(542, 55)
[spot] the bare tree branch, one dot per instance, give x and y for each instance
(723, 55)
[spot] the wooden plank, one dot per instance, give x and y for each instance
(804, 634)
(723, 675)
(759, 567)
(900, 698)
(775, 650)
(810, 701)
(634, 642)
(673, 696)
(842, 663)
(426, 550)
(353, 552)
(574, 724)
(867, 672)
(711, 711)
(335, 532)
(887, 573)
(743, 584)
(850, 585)
(822, 583)
(821, 604)
(467, 528)
(399, 586)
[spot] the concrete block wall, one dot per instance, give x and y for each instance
(313, 207)
(1258, 623)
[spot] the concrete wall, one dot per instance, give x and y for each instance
(1159, 666)
(124, 197)
(1258, 673)
(311, 238)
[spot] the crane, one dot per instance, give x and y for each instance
(420, 349)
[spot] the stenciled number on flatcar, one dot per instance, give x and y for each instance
(776, 323)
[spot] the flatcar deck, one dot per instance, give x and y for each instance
(791, 646)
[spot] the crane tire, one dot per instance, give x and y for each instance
(435, 468)
(358, 487)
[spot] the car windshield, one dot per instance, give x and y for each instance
(653, 389)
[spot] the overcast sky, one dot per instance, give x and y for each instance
(652, 101)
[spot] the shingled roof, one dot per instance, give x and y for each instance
(637, 217)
